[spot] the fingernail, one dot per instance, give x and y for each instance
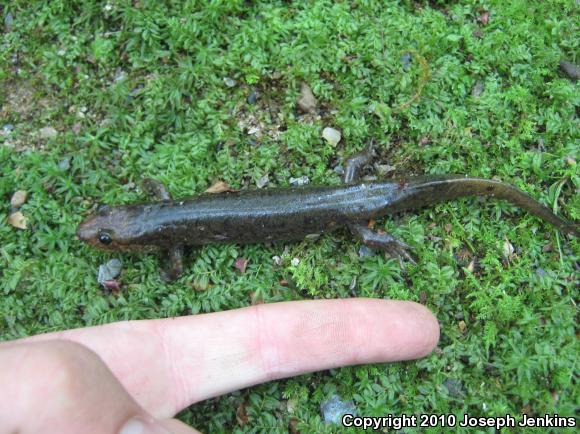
(140, 425)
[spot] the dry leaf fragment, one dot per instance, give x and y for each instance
(548, 247)
(508, 248)
(18, 220)
(462, 326)
(219, 187)
(242, 414)
(241, 264)
(483, 18)
(18, 199)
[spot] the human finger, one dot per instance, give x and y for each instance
(169, 364)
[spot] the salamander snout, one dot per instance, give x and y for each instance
(95, 231)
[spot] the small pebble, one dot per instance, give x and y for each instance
(365, 252)
(331, 135)
(8, 19)
(252, 97)
(8, 128)
(277, 260)
(120, 75)
(229, 82)
(18, 199)
(477, 89)
(294, 262)
(333, 409)
(64, 164)
(306, 100)
(48, 133)
(454, 387)
(109, 271)
(406, 60)
(571, 70)
(383, 169)
(263, 181)
(303, 180)
(17, 220)
(339, 170)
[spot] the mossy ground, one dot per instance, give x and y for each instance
(136, 88)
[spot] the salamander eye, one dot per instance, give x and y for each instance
(105, 238)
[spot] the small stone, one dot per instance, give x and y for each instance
(477, 89)
(263, 181)
(17, 220)
(64, 164)
(331, 135)
(334, 408)
(366, 252)
(8, 128)
(18, 199)
(454, 387)
(254, 131)
(48, 133)
(406, 60)
(76, 128)
(303, 180)
(294, 262)
(120, 75)
(339, 170)
(384, 169)
(277, 260)
(571, 70)
(252, 97)
(8, 19)
(109, 271)
(462, 326)
(229, 82)
(306, 100)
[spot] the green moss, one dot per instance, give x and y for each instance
(144, 82)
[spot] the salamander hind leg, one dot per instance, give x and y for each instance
(172, 264)
(155, 189)
(354, 165)
(382, 241)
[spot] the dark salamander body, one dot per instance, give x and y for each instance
(286, 214)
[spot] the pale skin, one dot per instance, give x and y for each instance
(134, 377)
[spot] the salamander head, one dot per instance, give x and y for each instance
(110, 228)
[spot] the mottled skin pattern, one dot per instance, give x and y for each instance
(286, 214)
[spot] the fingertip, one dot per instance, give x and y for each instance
(425, 327)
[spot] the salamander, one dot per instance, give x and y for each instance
(286, 214)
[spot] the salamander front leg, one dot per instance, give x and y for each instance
(354, 165)
(381, 241)
(173, 264)
(155, 189)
